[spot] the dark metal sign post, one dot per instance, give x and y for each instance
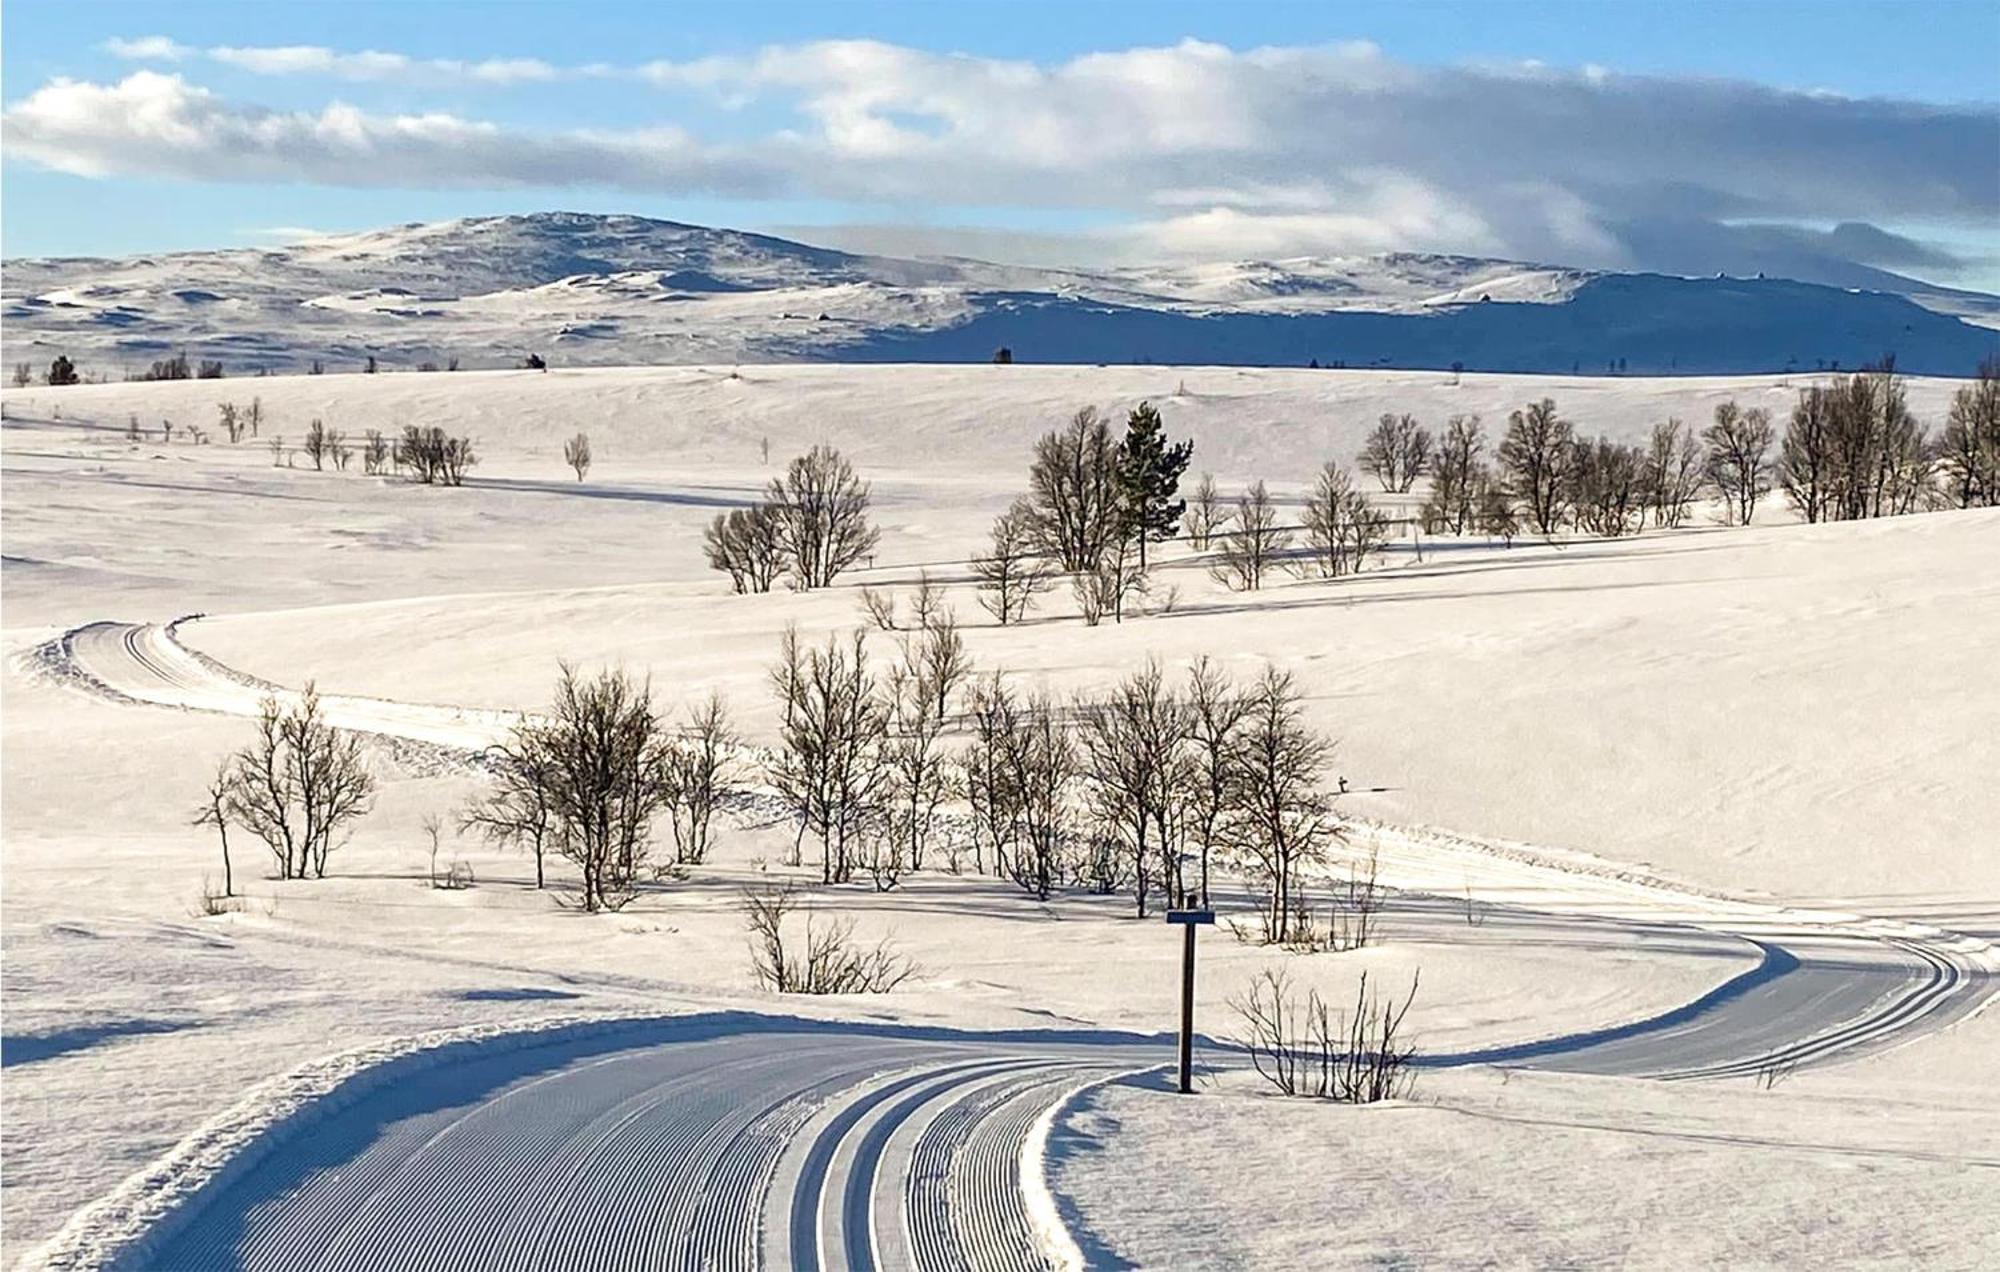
(1189, 920)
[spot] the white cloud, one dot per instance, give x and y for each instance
(288, 233)
(147, 48)
(366, 65)
(160, 125)
(369, 64)
(1193, 147)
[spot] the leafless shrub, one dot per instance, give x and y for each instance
(698, 772)
(433, 456)
(1396, 452)
(1013, 570)
(1216, 712)
(1738, 444)
(1074, 492)
(1535, 458)
(1204, 513)
(878, 606)
(1343, 529)
(926, 602)
(584, 779)
(1350, 916)
(1455, 470)
(1775, 1071)
(1250, 547)
(939, 658)
(748, 544)
(1021, 771)
(828, 768)
(1282, 818)
(1138, 767)
(1969, 446)
(209, 903)
(299, 785)
(1498, 515)
(1853, 449)
(825, 959)
(517, 811)
(1303, 1048)
(1672, 476)
(576, 453)
(1105, 588)
(233, 423)
(822, 517)
(433, 828)
(215, 811)
(919, 778)
(374, 453)
(1607, 487)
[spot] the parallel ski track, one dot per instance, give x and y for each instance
(668, 1157)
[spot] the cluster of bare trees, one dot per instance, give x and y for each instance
(239, 422)
(1853, 449)
(860, 760)
(1397, 452)
(1850, 449)
(323, 444)
(811, 526)
(179, 368)
(1342, 527)
(1149, 787)
(1546, 477)
(1096, 504)
(433, 456)
(298, 786)
(590, 780)
(1968, 450)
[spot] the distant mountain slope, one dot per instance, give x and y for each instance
(589, 289)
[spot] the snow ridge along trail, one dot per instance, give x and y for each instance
(147, 663)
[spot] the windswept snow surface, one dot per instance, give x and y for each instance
(1717, 801)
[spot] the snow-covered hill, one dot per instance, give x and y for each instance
(584, 289)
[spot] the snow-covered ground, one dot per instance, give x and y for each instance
(1774, 717)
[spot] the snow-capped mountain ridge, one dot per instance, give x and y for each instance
(587, 288)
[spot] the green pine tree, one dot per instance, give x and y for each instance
(1149, 476)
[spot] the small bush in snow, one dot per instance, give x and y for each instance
(823, 959)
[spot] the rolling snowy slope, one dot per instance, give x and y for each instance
(584, 289)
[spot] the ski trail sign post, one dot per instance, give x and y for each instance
(1189, 920)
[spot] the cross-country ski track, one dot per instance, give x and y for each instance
(775, 1143)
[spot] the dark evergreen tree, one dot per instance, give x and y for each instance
(1149, 476)
(62, 371)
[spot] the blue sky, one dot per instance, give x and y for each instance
(1699, 156)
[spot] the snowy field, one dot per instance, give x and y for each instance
(1647, 763)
